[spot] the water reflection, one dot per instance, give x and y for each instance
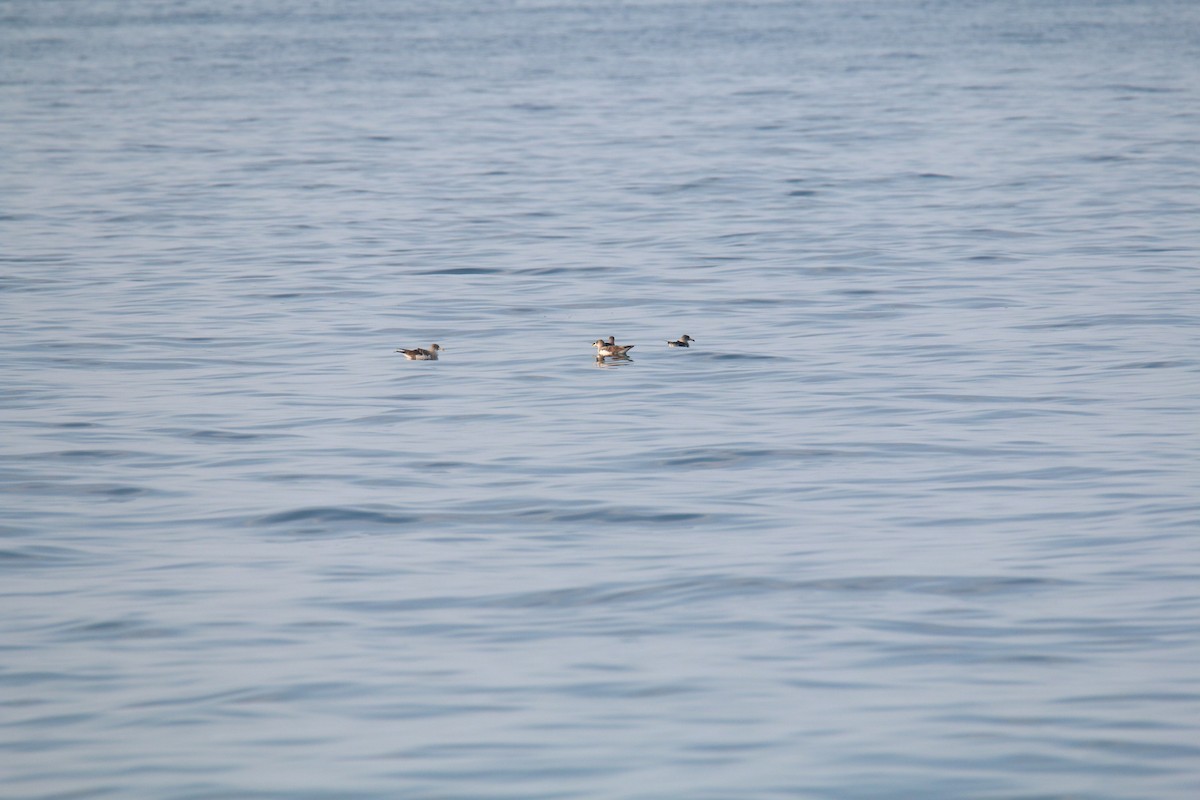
(606, 362)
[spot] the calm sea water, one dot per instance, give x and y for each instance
(916, 517)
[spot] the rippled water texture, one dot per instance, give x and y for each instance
(915, 517)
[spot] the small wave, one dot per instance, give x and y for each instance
(225, 436)
(1115, 320)
(324, 515)
(549, 271)
(718, 588)
(1141, 88)
(67, 489)
(463, 271)
(114, 630)
(974, 585)
(1154, 364)
(714, 458)
(622, 516)
(97, 454)
(742, 357)
(656, 593)
(22, 558)
(347, 520)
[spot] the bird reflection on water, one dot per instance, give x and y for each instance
(605, 362)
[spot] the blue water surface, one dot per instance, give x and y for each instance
(916, 516)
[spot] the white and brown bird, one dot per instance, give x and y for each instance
(611, 348)
(421, 354)
(682, 341)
